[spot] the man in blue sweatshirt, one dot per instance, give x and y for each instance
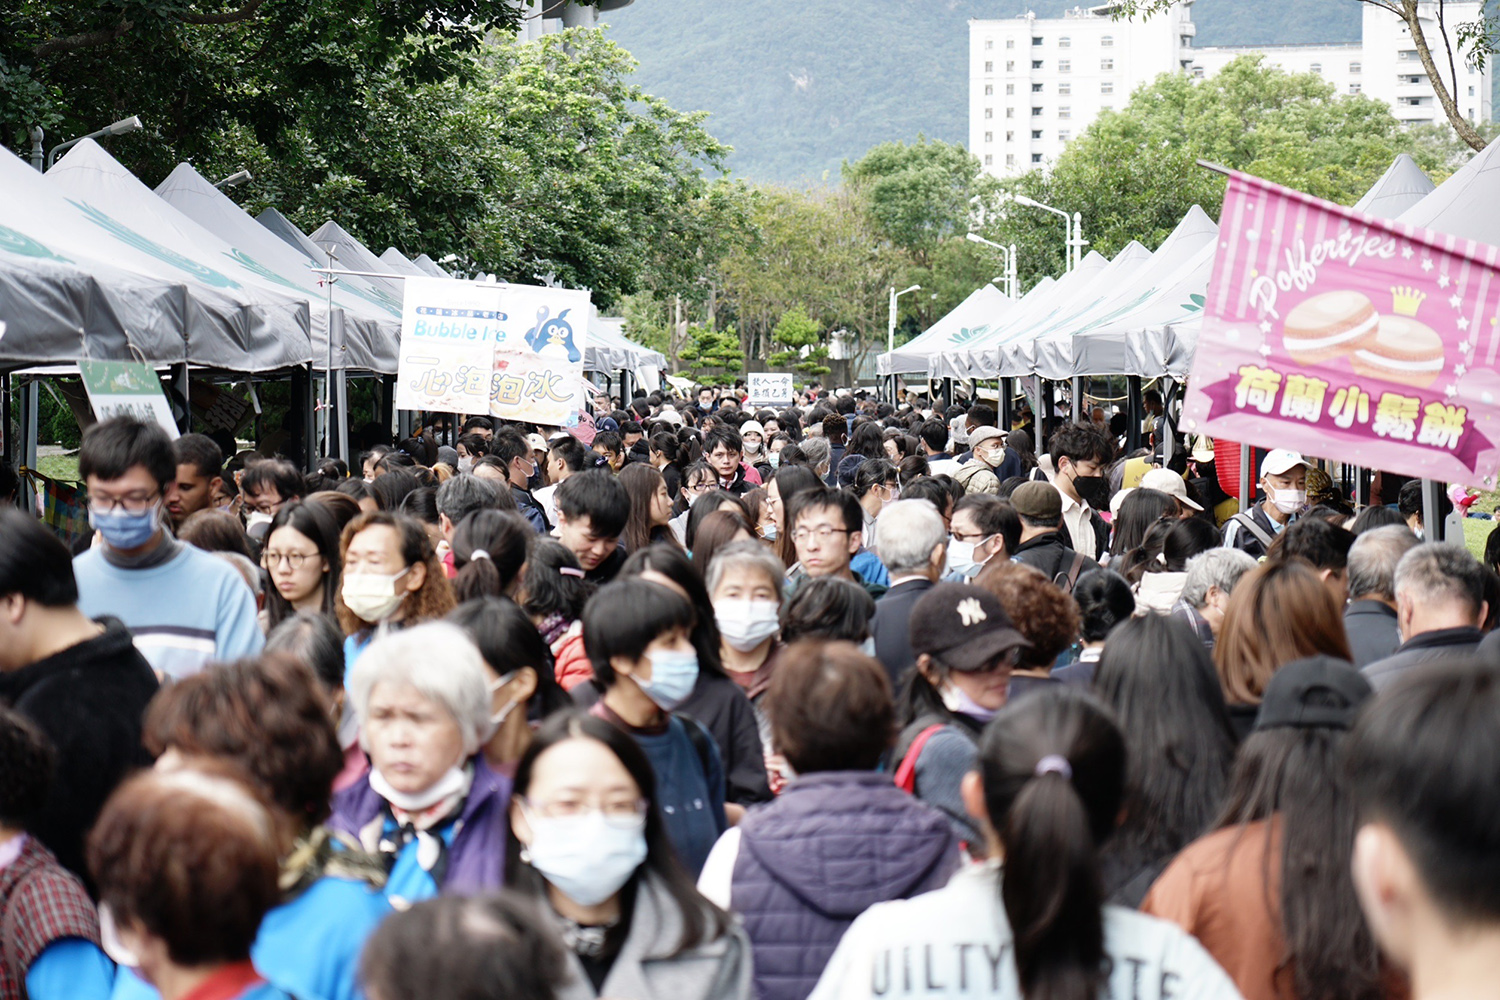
(183, 606)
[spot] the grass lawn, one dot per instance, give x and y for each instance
(62, 467)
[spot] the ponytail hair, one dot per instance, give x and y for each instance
(489, 548)
(1054, 778)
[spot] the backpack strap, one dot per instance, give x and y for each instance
(1248, 523)
(906, 774)
(699, 740)
(1073, 571)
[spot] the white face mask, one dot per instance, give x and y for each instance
(455, 781)
(466, 464)
(1287, 501)
(960, 556)
(587, 858)
(746, 624)
(498, 719)
(109, 940)
(752, 447)
(373, 597)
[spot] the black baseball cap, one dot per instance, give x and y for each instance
(1320, 692)
(962, 626)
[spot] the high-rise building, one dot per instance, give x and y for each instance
(543, 17)
(1035, 83)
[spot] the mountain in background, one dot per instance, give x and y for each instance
(798, 87)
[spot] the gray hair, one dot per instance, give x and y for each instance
(442, 663)
(1373, 559)
(741, 556)
(1440, 573)
(906, 533)
(463, 494)
(1220, 568)
(817, 450)
(247, 570)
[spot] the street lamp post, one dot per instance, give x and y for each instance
(890, 329)
(1073, 227)
(235, 179)
(1010, 261)
(120, 127)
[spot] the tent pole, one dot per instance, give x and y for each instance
(180, 376)
(386, 401)
(1247, 497)
(30, 409)
(1432, 522)
(1077, 399)
(341, 403)
(8, 451)
(1007, 386)
(1135, 412)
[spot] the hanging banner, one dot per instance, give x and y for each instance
(1349, 337)
(510, 351)
(127, 389)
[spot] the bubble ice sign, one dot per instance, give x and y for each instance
(1348, 337)
(512, 351)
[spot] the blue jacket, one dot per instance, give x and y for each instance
(833, 845)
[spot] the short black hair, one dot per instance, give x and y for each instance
(476, 423)
(571, 451)
(1324, 545)
(277, 473)
(826, 497)
(609, 441)
(421, 505)
(934, 434)
(993, 516)
(1104, 600)
(597, 495)
(625, 617)
(113, 447)
(1080, 443)
(474, 444)
(1409, 500)
(34, 562)
(201, 452)
(508, 445)
(630, 427)
(983, 415)
(828, 607)
(725, 435)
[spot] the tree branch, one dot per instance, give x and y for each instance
(1461, 125)
(1448, 47)
(85, 40)
(228, 17)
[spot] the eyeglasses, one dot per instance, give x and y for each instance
(822, 533)
(296, 560)
(134, 503)
(700, 487)
(977, 537)
(623, 813)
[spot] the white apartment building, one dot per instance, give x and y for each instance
(1035, 83)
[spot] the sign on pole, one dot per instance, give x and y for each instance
(127, 389)
(511, 351)
(770, 389)
(1349, 337)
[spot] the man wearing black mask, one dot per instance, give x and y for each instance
(1080, 453)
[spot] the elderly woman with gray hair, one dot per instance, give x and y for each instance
(1211, 578)
(745, 581)
(430, 806)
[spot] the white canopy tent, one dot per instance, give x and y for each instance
(1071, 349)
(430, 266)
(1401, 186)
(946, 364)
(355, 256)
(970, 319)
(1466, 204)
(981, 359)
(371, 326)
(608, 350)
(398, 262)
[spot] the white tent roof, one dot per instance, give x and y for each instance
(59, 302)
(1401, 186)
(246, 322)
(608, 350)
(1053, 355)
(981, 358)
(283, 228)
(968, 320)
(398, 262)
(355, 256)
(372, 322)
(431, 266)
(953, 362)
(1466, 204)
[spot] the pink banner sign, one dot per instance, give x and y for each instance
(1354, 339)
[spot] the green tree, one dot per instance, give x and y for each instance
(917, 195)
(712, 356)
(793, 333)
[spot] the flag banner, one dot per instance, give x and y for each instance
(511, 351)
(1348, 337)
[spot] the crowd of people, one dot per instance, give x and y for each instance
(847, 699)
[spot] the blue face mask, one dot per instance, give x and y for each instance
(124, 530)
(673, 676)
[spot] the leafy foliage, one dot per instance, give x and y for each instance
(795, 333)
(713, 356)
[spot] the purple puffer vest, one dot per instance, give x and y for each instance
(831, 846)
(476, 861)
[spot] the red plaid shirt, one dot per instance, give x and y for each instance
(40, 902)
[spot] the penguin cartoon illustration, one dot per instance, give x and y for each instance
(550, 335)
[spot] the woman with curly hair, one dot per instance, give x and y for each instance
(391, 578)
(1046, 616)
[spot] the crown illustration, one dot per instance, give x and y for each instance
(1405, 300)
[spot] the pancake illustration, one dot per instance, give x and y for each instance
(1328, 326)
(1403, 350)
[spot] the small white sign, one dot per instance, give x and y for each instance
(127, 389)
(770, 389)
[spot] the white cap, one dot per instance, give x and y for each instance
(1168, 482)
(982, 434)
(669, 415)
(1118, 499)
(752, 427)
(537, 442)
(1282, 460)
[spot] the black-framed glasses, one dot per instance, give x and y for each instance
(822, 533)
(134, 503)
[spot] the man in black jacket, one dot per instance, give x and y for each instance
(82, 682)
(1043, 544)
(1439, 607)
(520, 465)
(911, 542)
